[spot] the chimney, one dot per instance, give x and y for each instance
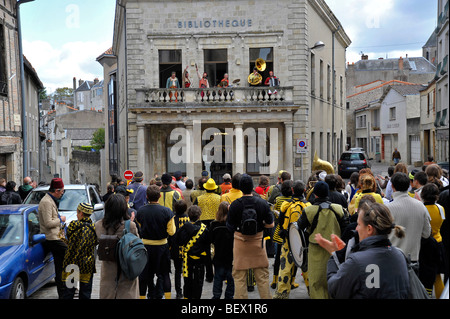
(364, 57)
(80, 81)
(400, 64)
(95, 81)
(74, 83)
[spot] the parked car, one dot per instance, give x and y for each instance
(24, 265)
(352, 161)
(73, 195)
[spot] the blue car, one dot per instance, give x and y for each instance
(24, 265)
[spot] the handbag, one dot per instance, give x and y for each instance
(416, 288)
(107, 250)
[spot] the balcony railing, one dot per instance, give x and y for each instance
(154, 97)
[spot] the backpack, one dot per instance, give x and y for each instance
(131, 253)
(295, 208)
(249, 224)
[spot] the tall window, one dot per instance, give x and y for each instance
(313, 74)
(169, 61)
(267, 55)
(321, 78)
(216, 65)
(3, 68)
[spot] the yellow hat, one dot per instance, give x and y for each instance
(210, 185)
(280, 172)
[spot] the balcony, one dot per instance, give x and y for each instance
(211, 97)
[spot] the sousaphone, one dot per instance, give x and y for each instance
(319, 165)
(255, 79)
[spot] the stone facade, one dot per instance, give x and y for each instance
(289, 28)
(11, 150)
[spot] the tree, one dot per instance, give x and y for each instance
(61, 93)
(98, 139)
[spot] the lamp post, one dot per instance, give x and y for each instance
(22, 89)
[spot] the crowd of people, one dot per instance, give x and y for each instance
(225, 234)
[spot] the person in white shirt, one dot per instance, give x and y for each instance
(409, 213)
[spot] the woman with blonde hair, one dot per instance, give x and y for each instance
(368, 187)
(372, 269)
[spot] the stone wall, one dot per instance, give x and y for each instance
(85, 166)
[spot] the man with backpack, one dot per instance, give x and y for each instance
(325, 218)
(247, 218)
(290, 212)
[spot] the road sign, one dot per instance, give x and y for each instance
(302, 146)
(128, 175)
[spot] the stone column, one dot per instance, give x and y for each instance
(141, 149)
(288, 145)
(190, 167)
(239, 148)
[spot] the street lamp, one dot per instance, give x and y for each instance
(22, 80)
(319, 45)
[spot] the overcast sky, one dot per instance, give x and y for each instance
(62, 38)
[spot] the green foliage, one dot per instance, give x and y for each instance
(98, 139)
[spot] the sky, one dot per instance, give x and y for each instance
(63, 38)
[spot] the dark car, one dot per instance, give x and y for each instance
(24, 264)
(352, 161)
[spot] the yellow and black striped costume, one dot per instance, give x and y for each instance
(82, 240)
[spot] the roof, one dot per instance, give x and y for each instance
(86, 86)
(391, 83)
(408, 89)
(414, 65)
(405, 90)
(15, 208)
(107, 53)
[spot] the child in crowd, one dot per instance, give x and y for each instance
(222, 239)
(176, 251)
(194, 238)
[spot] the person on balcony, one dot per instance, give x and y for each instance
(172, 83)
(202, 80)
(272, 81)
(186, 79)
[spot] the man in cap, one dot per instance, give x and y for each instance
(50, 224)
(331, 221)
(208, 202)
(82, 240)
(139, 196)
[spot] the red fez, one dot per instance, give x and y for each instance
(56, 183)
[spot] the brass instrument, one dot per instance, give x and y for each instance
(318, 166)
(260, 64)
(255, 79)
(321, 165)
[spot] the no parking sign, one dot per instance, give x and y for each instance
(302, 146)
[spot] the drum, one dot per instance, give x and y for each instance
(298, 246)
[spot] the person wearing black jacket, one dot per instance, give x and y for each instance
(194, 238)
(222, 239)
(156, 225)
(10, 196)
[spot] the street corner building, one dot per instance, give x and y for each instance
(232, 121)
(14, 114)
